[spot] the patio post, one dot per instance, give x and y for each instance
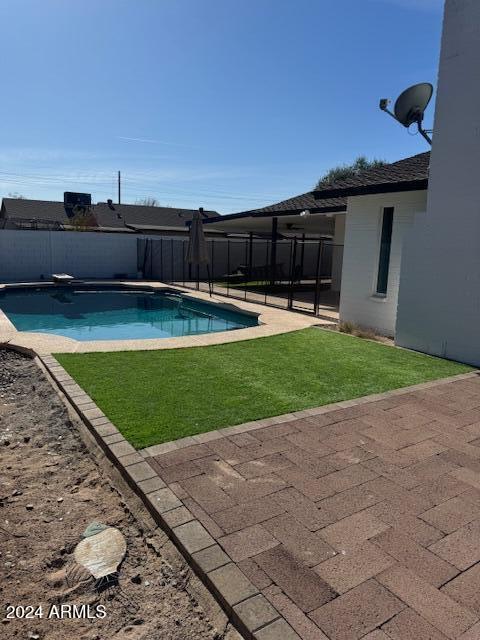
(302, 258)
(318, 281)
(273, 255)
(250, 254)
(293, 260)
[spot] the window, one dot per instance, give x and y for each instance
(385, 244)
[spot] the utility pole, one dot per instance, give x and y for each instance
(119, 189)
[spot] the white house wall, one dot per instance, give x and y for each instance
(439, 303)
(337, 251)
(358, 302)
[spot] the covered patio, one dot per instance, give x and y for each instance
(293, 254)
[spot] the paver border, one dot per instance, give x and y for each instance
(236, 594)
(207, 559)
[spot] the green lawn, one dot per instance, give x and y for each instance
(157, 396)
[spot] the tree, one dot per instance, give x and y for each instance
(83, 219)
(343, 171)
(17, 196)
(148, 201)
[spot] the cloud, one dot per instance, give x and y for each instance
(43, 154)
(150, 141)
(45, 173)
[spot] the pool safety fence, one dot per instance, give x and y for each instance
(294, 273)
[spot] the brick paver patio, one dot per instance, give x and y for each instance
(362, 522)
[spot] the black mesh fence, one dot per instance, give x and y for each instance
(296, 274)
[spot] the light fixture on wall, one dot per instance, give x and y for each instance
(410, 107)
(305, 213)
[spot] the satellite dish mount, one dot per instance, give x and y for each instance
(410, 107)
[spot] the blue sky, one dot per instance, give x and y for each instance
(226, 104)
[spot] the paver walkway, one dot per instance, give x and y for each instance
(356, 523)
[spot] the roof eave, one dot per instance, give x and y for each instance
(372, 189)
(276, 214)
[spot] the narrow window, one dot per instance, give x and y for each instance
(385, 244)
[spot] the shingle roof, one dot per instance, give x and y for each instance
(291, 206)
(114, 216)
(300, 203)
(403, 175)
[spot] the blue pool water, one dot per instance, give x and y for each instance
(116, 314)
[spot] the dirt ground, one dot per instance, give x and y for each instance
(51, 489)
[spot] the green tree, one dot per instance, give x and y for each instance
(83, 219)
(343, 171)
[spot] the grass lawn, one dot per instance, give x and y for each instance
(157, 396)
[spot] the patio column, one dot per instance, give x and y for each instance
(250, 255)
(273, 253)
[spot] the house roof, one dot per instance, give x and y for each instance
(108, 216)
(300, 203)
(409, 174)
(292, 206)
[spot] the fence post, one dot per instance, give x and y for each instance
(273, 257)
(212, 274)
(161, 260)
(228, 267)
(184, 257)
(247, 270)
(318, 278)
(302, 257)
(266, 273)
(250, 255)
(293, 260)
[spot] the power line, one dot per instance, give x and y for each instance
(134, 182)
(128, 190)
(98, 185)
(103, 195)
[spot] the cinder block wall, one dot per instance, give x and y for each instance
(31, 255)
(358, 302)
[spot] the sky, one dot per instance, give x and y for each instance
(226, 104)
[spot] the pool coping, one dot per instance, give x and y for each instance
(237, 595)
(272, 321)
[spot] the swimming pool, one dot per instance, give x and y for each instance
(95, 313)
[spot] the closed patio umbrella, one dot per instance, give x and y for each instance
(197, 251)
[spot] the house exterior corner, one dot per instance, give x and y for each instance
(362, 302)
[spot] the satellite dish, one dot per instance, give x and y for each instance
(410, 106)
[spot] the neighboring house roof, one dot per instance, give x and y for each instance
(409, 174)
(109, 217)
(291, 206)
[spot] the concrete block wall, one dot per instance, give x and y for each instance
(358, 302)
(337, 250)
(32, 255)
